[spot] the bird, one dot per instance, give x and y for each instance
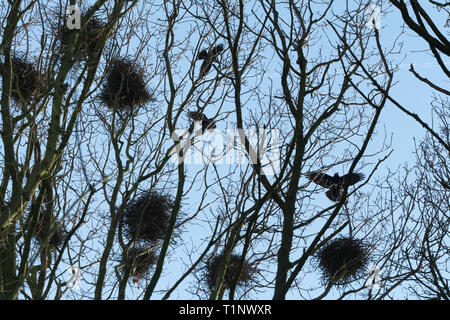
(208, 58)
(207, 124)
(334, 183)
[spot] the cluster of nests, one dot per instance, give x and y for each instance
(145, 221)
(125, 86)
(342, 260)
(25, 79)
(233, 273)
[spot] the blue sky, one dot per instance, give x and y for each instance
(408, 91)
(411, 93)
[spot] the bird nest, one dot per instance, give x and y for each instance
(140, 260)
(244, 277)
(147, 217)
(125, 86)
(48, 229)
(25, 79)
(88, 38)
(342, 259)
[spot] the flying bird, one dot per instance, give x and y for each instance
(208, 58)
(334, 183)
(207, 124)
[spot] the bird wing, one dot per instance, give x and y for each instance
(195, 115)
(203, 54)
(352, 178)
(217, 49)
(321, 179)
(208, 124)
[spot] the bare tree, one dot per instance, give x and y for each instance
(101, 125)
(426, 195)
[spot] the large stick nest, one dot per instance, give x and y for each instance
(25, 79)
(48, 229)
(342, 259)
(140, 260)
(147, 217)
(125, 86)
(231, 272)
(88, 38)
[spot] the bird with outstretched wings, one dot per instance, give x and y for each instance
(334, 183)
(208, 58)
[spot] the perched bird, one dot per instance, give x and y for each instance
(207, 124)
(209, 58)
(334, 183)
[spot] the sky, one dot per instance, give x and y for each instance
(404, 130)
(410, 92)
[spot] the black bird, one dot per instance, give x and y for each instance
(207, 124)
(334, 183)
(209, 58)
